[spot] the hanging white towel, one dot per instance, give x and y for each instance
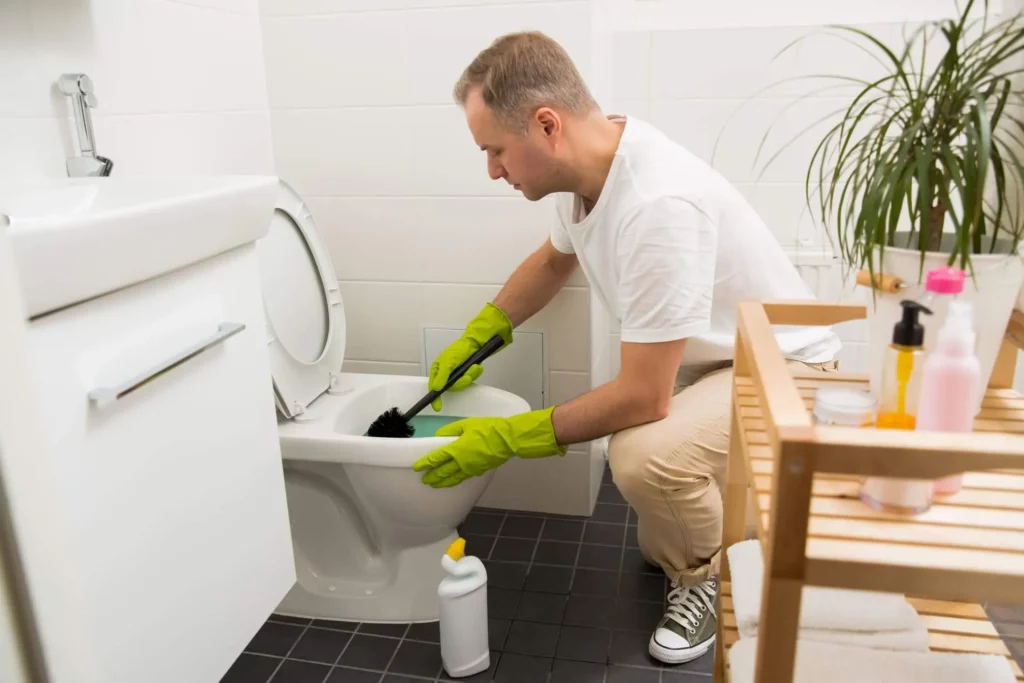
(823, 609)
(831, 663)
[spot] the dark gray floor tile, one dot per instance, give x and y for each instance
(610, 493)
(630, 647)
(1010, 630)
(320, 645)
(651, 587)
(336, 625)
(515, 668)
(563, 530)
(502, 603)
(513, 549)
(274, 639)
(541, 607)
(589, 610)
(556, 552)
(595, 582)
(369, 652)
(395, 678)
(583, 644)
(671, 676)
(482, 677)
(479, 545)
(522, 527)
(509, 575)
(606, 479)
(417, 659)
(566, 671)
(284, 619)
(251, 669)
(544, 579)
(605, 534)
(530, 638)
(636, 615)
(428, 632)
(342, 674)
(632, 517)
(481, 523)
(633, 562)
(497, 630)
(301, 672)
(631, 537)
(605, 512)
(599, 557)
(704, 664)
(390, 630)
(628, 674)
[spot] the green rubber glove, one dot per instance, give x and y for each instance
(485, 443)
(487, 323)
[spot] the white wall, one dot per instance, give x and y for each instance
(180, 85)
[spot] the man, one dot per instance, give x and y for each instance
(670, 248)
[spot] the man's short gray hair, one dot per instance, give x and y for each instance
(522, 71)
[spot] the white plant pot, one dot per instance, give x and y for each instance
(994, 291)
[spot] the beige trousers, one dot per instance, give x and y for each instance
(673, 471)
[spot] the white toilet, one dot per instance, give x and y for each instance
(367, 534)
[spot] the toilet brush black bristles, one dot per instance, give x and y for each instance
(394, 424)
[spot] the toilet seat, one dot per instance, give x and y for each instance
(302, 304)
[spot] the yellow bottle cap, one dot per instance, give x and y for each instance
(457, 549)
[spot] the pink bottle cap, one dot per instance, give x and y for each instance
(945, 280)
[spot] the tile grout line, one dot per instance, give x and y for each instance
(395, 653)
(285, 658)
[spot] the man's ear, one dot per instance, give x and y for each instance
(549, 121)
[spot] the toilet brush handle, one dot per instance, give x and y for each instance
(485, 352)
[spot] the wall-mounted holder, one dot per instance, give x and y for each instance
(79, 88)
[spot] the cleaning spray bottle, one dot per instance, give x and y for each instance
(465, 648)
(950, 383)
(901, 379)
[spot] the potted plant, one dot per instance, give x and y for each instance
(925, 169)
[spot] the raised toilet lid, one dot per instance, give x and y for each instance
(304, 312)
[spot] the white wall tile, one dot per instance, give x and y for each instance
(784, 209)
(32, 147)
(476, 240)
(359, 58)
(739, 128)
(382, 151)
(443, 42)
(385, 319)
(147, 56)
(273, 8)
(211, 142)
(631, 65)
(565, 386)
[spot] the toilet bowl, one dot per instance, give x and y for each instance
(367, 534)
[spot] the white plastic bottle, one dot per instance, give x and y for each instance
(950, 382)
(465, 648)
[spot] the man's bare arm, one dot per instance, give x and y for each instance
(641, 393)
(534, 283)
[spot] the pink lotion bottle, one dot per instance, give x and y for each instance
(950, 381)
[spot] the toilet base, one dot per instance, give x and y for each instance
(410, 595)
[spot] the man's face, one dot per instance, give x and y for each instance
(527, 162)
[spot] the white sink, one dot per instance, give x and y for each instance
(75, 239)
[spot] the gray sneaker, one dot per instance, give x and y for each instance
(688, 628)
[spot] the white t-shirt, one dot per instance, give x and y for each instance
(671, 248)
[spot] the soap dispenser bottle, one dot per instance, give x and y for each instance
(901, 379)
(465, 647)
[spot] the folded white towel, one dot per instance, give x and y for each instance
(915, 639)
(820, 662)
(824, 609)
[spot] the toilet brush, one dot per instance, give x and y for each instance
(394, 424)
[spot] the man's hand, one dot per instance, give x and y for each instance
(489, 322)
(485, 443)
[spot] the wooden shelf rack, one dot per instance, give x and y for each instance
(803, 482)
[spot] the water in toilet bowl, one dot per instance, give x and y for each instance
(426, 425)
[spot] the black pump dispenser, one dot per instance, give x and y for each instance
(910, 332)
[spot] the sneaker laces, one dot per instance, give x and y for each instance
(687, 605)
